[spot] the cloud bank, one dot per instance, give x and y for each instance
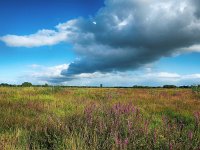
(148, 76)
(123, 35)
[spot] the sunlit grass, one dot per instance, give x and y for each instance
(98, 118)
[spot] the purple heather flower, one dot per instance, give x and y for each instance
(170, 146)
(126, 141)
(197, 117)
(190, 135)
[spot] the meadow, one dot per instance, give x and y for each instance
(49, 118)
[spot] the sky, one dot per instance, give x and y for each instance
(93, 42)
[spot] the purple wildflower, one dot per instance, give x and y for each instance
(190, 135)
(126, 141)
(170, 146)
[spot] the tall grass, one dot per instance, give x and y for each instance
(72, 118)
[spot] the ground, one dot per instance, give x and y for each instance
(99, 118)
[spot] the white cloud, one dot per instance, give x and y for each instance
(168, 75)
(47, 72)
(39, 74)
(192, 76)
(193, 48)
(67, 26)
(41, 38)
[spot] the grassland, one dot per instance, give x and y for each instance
(98, 118)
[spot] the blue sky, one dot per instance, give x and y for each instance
(113, 42)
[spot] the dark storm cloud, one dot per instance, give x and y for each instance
(127, 34)
(197, 8)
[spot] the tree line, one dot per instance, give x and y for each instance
(28, 84)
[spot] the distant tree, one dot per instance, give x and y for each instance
(101, 85)
(169, 86)
(26, 84)
(184, 86)
(140, 86)
(135, 86)
(4, 84)
(46, 85)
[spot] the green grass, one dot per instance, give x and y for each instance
(98, 118)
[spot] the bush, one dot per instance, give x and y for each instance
(196, 90)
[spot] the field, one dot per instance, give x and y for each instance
(98, 118)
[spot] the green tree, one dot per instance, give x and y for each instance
(26, 84)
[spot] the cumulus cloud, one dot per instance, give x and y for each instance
(129, 34)
(124, 35)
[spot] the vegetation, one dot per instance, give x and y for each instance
(169, 86)
(99, 118)
(26, 84)
(196, 90)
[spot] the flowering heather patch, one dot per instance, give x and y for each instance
(121, 126)
(125, 127)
